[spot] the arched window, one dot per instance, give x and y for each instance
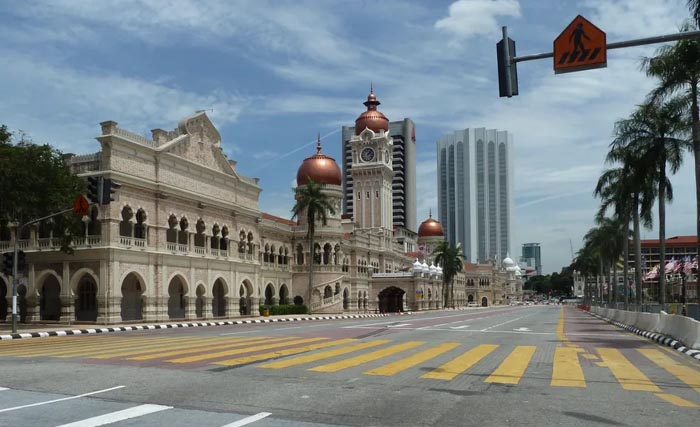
(272, 254)
(94, 226)
(171, 232)
(300, 254)
(326, 253)
(126, 228)
(182, 235)
(266, 254)
(215, 230)
(199, 238)
(224, 239)
(140, 226)
(251, 245)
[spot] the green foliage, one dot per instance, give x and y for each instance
(281, 310)
(451, 259)
(36, 182)
(553, 285)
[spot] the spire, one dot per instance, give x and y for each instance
(372, 100)
(371, 89)
(318, 144)
(430, 213)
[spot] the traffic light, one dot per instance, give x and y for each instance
(93, 189)
(7, 260)
(507, 71)
(21, 261)
(109, 187)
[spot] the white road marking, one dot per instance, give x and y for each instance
(113, 417)
(459, 327)
(61, 399)
(400, 325)
(507, 321)
(248, 420)
(3, 388)
(522, 330)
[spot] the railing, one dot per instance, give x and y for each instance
(172, 246)
(4, 246)
(125, 241)
(132, 241)
(182, 247)
(23, 244)
(131, 136)
(215, 252)
(200, 250)
(94, 240)
(49, 243)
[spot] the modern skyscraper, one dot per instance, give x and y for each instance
(403, 164)
(533, 256)
(475, 191)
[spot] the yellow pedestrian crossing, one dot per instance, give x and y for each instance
(566, 369)
(280, 353)
(160, 354)
(220, 354)
(323, 355)
(628, 367)
(364, 358)
(456, 366)
(411, 361)
(513, 368)
(628, 375)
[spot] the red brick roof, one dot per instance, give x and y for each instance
(671, 241)
(469, 266)
(278, 219)
(414, 254)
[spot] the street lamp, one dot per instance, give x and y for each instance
(683, 291)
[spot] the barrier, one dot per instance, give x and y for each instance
(680, 328)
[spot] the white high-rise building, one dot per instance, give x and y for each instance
(475, 191)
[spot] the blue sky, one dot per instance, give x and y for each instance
(275, 73)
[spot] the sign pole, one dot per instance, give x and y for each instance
(15, 280)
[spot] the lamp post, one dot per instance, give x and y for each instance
(683, 292)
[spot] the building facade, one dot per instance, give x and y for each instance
(475, 191)
(532, 256)
(403, 164)
(185, 239)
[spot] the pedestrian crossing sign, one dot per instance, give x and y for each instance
(581, 46)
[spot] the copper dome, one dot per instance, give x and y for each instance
(320, 168)
(372, 118)
(430, 228)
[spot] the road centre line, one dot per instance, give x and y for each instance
(249, 420)
(506, 322)
(456, 321)
(3, 388)
(14, 408)
(113, 417)
(481, 312)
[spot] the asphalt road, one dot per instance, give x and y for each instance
(541, 365)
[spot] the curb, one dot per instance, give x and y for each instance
(661, 339)
(182, 325)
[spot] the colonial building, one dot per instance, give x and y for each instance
(185, 239)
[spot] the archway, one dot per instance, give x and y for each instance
(269, 294)
(131, 304)
(245, 292)
(327, 292)
(177, 304)
(3, 300)
(284, 295)
(484, 302)
(199, 302)
(86, 304)
(391, 300)
(470, 298)
(50, 299)
(346, 299)
(218, 303)
(22, 303)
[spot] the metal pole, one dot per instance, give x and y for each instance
(617, 45)
(15, 280)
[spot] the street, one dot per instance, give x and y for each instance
(532, 365)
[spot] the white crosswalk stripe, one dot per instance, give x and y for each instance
(249, 420)
(113, 417)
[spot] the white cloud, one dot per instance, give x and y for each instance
(67, 104)
(467, 18)
(629, 19)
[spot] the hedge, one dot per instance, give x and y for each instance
(277, 310)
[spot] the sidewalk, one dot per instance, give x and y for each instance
(58, 329)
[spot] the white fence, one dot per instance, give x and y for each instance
(681, 328)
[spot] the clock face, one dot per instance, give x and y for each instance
(367, 154)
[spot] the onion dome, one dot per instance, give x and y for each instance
(433, 269)
(320, 168)
(439, 270)
(426, 267)
(417, 267)
(430, 228)
(508, 263)
(372, 118)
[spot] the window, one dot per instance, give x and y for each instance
(359, 195)
(368, 194)
(377, 194)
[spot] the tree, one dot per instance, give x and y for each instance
(315, 205)
(451, 259)
(35, 181)
(655, 132)
(677, 66)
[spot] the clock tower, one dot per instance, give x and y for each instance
(371, 170)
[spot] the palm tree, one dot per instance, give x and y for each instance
(631, 179)
(315, 205)
(656, 133)
(451, 259)
(677, 66)
(586, 263)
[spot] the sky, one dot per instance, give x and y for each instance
(274, 74)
